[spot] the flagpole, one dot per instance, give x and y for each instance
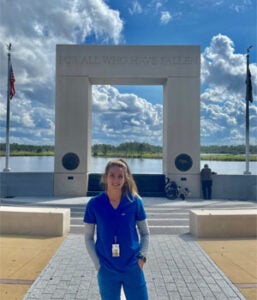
(247, 139)
(247, 172)
(7, 150)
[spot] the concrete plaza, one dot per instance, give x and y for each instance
(177, 267)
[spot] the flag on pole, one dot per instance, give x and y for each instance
(12, 80)
(249, 90)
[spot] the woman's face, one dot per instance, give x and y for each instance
(115, 178)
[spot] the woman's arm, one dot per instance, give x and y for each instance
(90, 243)
(144, 236)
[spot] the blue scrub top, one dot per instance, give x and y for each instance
(119, 223)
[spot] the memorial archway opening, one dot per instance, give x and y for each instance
(127, 114)
(78, 67)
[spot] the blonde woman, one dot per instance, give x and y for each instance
(118, 252)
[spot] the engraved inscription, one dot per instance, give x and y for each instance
(126, 60)
(78, 60)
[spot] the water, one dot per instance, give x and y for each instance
(138, 166)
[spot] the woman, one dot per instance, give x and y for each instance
(118, 253)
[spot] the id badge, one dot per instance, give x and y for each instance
(115, 250)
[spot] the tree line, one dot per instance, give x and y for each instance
(129, 149)
(37, 149)
(224, 149)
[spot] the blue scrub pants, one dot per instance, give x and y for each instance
(132, 281)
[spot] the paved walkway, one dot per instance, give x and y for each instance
(177, 268)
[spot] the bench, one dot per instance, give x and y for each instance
(34, 221)
(224, 223)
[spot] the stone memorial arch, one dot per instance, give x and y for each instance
(78, 67)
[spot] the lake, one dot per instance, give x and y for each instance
(138, 166)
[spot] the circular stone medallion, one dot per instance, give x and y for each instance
(183, 162)
(70, 161)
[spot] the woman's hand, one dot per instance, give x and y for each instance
(141, 263)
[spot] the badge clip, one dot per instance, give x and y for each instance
(115, 250)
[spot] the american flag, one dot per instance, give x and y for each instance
(12, 80)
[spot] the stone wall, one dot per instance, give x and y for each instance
(232, 187)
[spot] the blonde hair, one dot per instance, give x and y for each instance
(129, 186)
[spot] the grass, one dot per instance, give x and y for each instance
(227, 157)
(28, 153)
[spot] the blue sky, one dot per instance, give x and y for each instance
(223, 29)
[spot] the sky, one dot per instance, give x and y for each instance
(224, 29)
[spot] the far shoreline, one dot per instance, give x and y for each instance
(209, 157)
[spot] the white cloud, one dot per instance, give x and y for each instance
(104, 22)
(34, 30)
(165, 17)
(124, 117)
(221, 66)
(223, 104)
(159, 8)
(136, 8)
(224, 71)
(238, 6)
(155, 5)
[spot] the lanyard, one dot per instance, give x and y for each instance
(116, 225)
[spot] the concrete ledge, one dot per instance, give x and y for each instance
(223, 223)
(229, 187)
(34, 221)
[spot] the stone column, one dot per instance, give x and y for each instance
(181, 131)
(72, 135)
